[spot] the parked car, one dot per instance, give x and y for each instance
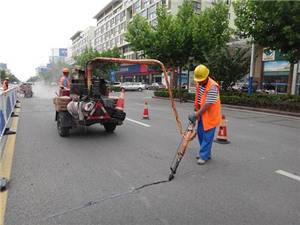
(184, 86)
(133, 86)
(157, 86)
(117, 84)
(244, 88)
(146, 85)
(235, 88)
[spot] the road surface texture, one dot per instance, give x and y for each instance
(92, 177)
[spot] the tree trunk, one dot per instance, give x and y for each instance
(290, 79)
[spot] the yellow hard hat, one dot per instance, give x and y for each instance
(7, 78)
(200, 73)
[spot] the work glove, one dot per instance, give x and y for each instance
(192, 117)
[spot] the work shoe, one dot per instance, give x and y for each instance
(201, 161)
(197, 157)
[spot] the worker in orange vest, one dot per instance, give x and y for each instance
(207, 111)
(64, 82)
(5, 83)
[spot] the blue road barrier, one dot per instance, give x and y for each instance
(8, 100)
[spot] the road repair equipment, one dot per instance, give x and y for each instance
(86, 87)
(187, 138)
(146, 113)
(87, 102)
(222, 133)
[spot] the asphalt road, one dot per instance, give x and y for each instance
(90, 177)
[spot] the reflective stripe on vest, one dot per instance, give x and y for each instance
(212, 117)
(61, 81)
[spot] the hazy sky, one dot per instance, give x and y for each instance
(29, 29)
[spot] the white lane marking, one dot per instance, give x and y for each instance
(134, 121)
(288, 174)
(140, 104)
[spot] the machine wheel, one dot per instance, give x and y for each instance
(62, 131)
(27, 95)
(109, 127)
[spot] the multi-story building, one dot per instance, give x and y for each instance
(57, 54)
(69, 59)
(113, 19)
(42, 69)
(82, 39)
(3, 66)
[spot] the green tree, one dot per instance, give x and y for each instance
(229, 65)
(105, 68)
(174, 40)
(4, 74)
(210, 31)
(54, 73)
(33, 79)
(273, 24)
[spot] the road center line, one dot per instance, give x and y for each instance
(134, 121)
(288, 175)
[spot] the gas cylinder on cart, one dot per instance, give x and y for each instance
(64, 92)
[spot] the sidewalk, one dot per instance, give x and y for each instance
(243, 108)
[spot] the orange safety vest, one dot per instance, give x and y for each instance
(212, 117)
(61, 81)
(5, 86)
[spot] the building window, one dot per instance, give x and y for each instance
(228, 16)
(197, 6)
(118, 40)
(154, 22)
(152, 12)
(146, 3)
(121, 27)
(112, 21)
(144, 14)
(118, 19)
(138, 6)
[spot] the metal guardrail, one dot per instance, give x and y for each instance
(8, 100)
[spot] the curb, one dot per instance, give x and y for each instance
(278, 112)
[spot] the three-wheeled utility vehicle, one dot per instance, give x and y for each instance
(87, 102)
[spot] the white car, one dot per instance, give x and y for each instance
(133, 86)
(117, 84)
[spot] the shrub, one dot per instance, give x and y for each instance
(115, 89)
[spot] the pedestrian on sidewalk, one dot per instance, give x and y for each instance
(207, 111)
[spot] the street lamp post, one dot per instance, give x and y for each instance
(251, 71)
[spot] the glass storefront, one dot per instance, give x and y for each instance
(276, 74)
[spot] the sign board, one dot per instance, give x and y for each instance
(192, 83)
(112, 76)
(268, 55)
(276, 66)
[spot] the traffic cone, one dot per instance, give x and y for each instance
(222, 134)
(146, 113)
(120, 102)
